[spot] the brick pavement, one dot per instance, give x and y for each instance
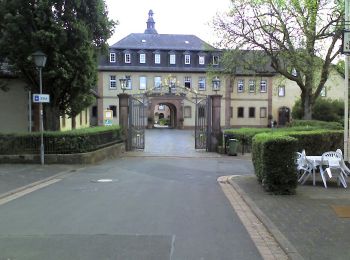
(305, 220)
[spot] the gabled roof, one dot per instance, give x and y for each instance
(162, 42)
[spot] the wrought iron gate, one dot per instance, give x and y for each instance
(203, 123)
(137, 123)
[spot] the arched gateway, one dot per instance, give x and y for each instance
(138, 112)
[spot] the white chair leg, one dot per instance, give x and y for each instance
(323, 178)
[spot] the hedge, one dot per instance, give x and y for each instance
(273, 159)
(316, 123)
(75, 141)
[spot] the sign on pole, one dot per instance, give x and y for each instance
(41, 98)
(107, 117)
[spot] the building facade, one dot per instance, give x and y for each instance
(150, 61)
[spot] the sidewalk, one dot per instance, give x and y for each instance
(307, 222)
(19, 176)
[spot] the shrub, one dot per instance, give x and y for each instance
(315, 124)
(75, 141)
(273, 159)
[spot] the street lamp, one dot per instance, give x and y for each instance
(216, 84)
(40, 60)
(122, 84)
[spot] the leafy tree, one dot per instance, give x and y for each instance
(71, 34)
(293, 34)
(323, 110)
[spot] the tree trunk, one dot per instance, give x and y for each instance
(51, 118)
(74, 122)
(307, 106)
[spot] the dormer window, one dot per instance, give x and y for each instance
(187, 59)
(142, 58)
(112, 57)
(127, 57)
(215, 60)
(172, 59)
(201, 60)
(157, 58)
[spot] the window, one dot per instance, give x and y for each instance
(142, 58)
(263, 112)
(240, 86)
(187, 59)
(188, 82)
(94, 111)
(187, 112)
(240, 112)
(201, 112)
(323, 92)
(112, 57)
(281, 91)
(143, 82)
(201, 60)
(252, 112)
(201, 83)
(127, 58)
(114, 109)
(215, 60)
(157, 58)
(112, 82)
(263, 86)
(251, 86)
(128, 82)
(231, 112)
(172, 59)
(157, 82)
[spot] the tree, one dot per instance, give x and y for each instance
(71, 34)
(300, 38)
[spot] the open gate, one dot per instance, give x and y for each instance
(137, 122)
(203, 123)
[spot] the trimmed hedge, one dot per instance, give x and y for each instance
(316, 123)
(75, 141)
(273, 159)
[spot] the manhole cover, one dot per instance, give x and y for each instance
(103, 180)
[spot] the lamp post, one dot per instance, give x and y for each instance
(216, 84)
(122, 84)
(40, 61)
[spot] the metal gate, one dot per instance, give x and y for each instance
(203, 123)
(137, 123)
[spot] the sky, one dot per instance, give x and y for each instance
(170, 16)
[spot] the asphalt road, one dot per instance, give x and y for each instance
(130, 208)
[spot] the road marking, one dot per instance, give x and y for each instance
(172, 246)
(27, 191)
(263, 240)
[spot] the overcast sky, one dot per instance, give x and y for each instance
(171, 16)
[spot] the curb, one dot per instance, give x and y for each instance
(33, 184)
(284, 243)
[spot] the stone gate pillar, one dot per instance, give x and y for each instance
(124, 116)
(215, 123)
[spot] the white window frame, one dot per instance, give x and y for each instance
(187, 59)
(127, 57)
(157, 58)
(172, 59)
(263, 112)
(142, 58)
(187, 111)
(143, 82)
(252, 86)
(112, 82)
(201, 60)
(188, 79)
(201, 83)
(263, 86)
(128, 83)
(157, 82)
(240, 86)
(112, 57)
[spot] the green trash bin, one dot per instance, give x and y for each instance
(232, 146)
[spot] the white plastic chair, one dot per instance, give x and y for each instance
(304, 166)
(335, 163)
